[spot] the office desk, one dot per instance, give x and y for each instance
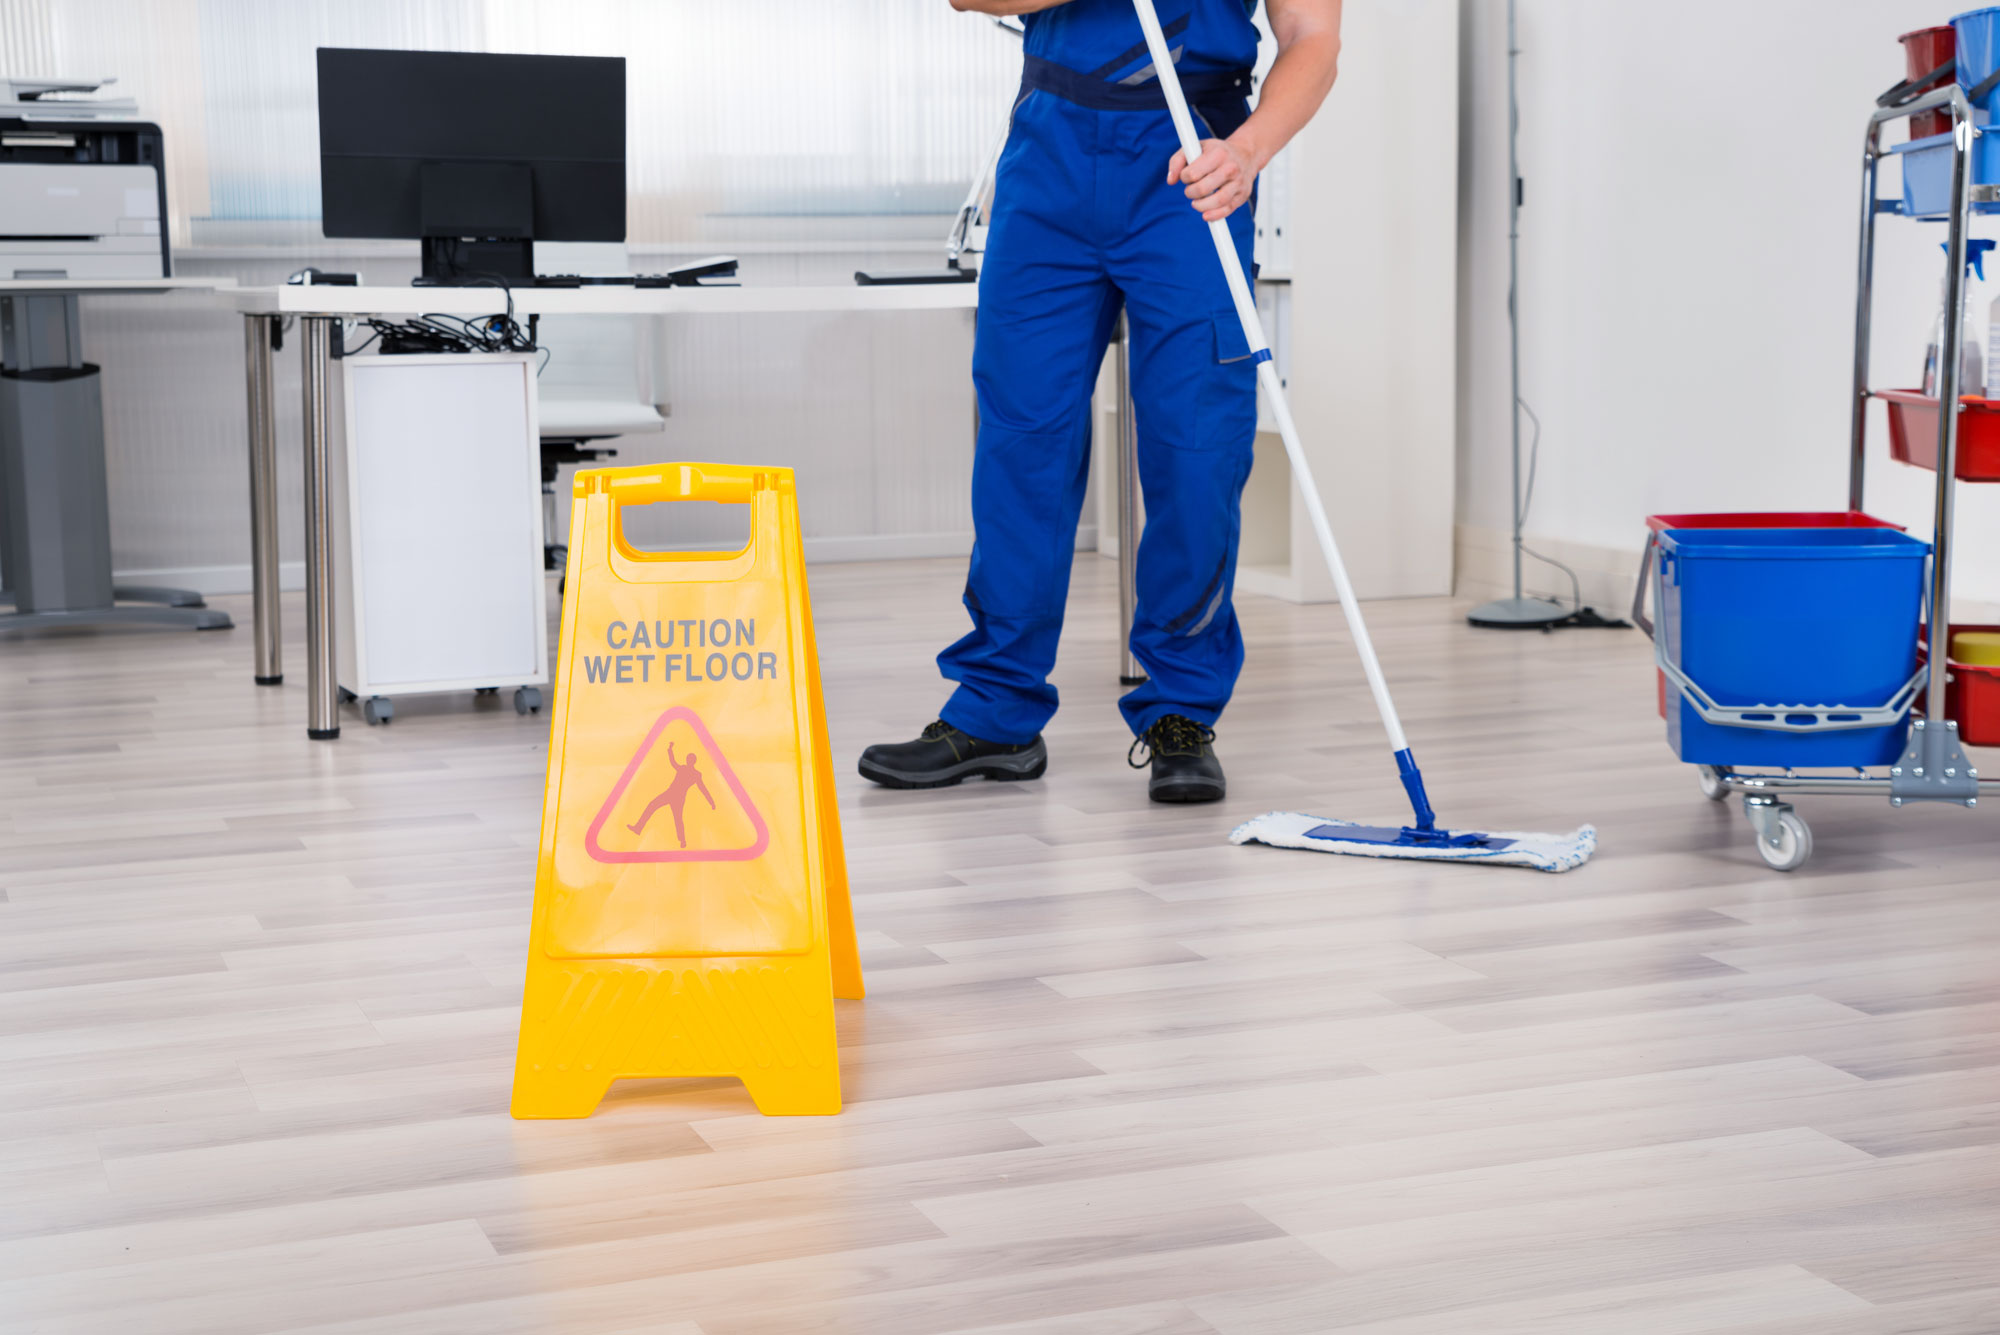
(319, 308)
(109, 287)
(63, 538)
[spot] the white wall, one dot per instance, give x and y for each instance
(1358, 295)
(1687, 288)
(1373, 303)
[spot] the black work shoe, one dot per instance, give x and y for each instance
(1182, 754)
(944, 756)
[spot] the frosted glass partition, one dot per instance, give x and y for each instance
(772, 121)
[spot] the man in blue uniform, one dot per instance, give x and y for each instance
(1087, 221)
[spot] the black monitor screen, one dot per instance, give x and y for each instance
(456, 144)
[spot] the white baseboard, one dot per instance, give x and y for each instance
(217, 580)
(208, 580)
(1484, 569)
(1270, 581)
(887, 546)
(1606, 575)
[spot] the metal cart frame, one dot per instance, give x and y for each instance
(1933, 766)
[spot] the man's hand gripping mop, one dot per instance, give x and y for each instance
(1286, 829)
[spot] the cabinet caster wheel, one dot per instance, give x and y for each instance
(527, 699)
(378, 709)
(347, 697)
(485, 690)
(1712, 786)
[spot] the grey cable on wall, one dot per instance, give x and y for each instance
(1521, 612)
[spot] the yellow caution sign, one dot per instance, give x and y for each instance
(691, 910)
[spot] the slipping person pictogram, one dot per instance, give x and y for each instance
(686, 776)
(734, 832)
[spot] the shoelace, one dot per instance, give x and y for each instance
(933, 731)
(1175, 734)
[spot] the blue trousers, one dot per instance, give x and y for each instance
(1084, 224)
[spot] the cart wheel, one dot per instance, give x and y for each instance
(527, 699)
(485, 690)
(1712, 786)
(378, 709)
(1786, 843)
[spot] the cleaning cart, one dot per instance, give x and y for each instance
(1864, 608)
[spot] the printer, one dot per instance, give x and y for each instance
(83, 186)
(82, 198)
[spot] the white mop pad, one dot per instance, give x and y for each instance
(1543, 852)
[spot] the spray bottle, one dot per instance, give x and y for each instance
(1971, 364)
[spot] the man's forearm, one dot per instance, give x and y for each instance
(1300, 78)
(1004, 7)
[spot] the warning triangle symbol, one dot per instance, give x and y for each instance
(682, 821)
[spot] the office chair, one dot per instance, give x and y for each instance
(597, 383)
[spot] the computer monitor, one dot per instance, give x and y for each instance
(477, 156)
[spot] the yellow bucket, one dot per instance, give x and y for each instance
(1980, 648)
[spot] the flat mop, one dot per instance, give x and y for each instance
(1286, 829)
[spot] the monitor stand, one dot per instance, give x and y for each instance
(454, 261)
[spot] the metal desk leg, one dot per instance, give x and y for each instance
(1130, 673)
(322, 692)
(266, 629)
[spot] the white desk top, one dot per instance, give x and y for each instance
(300, 299)
(98, 287)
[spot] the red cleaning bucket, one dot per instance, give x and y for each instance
(1923, 51)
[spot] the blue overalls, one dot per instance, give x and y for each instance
(1084, 224)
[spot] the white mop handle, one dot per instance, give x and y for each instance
(1267, 374)
(1177, 107)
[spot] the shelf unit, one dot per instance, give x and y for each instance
(1933, 766)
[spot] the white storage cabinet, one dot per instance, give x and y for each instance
(437, 528)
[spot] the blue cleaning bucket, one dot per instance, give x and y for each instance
(1807, 618)
(1978, 33)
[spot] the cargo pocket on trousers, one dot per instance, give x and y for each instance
(1229, 388)
(1230, 345)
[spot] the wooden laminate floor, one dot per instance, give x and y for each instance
(258, 1005)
